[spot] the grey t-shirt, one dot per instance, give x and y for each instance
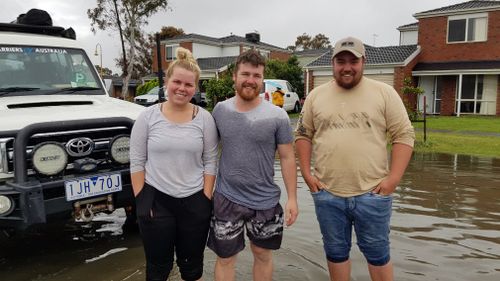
(249, 141)
(174, 156)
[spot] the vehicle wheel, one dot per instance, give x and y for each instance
(296, 108)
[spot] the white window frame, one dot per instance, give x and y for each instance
(265, 53)
(484, 101)
(174, 47)
(438, 89)
(467, 19)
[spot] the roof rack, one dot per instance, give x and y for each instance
(37, 29)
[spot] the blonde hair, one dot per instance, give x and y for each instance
(184, 59)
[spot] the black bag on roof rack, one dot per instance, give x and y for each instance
(38, 22)
(35, 17)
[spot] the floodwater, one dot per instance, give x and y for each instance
(445, 226)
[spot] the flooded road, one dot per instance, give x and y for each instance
(445, 226)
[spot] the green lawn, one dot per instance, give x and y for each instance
(462, 124)
(458, 143)
(472, 135)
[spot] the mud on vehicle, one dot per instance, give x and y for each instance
(64, 142)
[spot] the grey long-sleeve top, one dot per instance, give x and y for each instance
(174, 156)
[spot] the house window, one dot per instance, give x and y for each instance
(470, 28)
(265, 53)
(478, 95)
(170, 52)
(438, 92)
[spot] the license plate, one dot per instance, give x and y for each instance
(92, 186)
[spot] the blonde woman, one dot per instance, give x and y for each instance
(173, 163)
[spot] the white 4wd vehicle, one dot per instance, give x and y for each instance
(291, 99)
(64, 142)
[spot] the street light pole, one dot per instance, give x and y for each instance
(96, 54)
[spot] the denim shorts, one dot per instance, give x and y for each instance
(369, 213)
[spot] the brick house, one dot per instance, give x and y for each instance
(452, 52)
(214, 55)
(459, 63)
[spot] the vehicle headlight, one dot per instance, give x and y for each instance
(49, 158)
(120, 149)
(5, 205)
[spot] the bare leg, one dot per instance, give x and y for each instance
(224, 269)
(340, 271)
(381, 273)
(262, 263)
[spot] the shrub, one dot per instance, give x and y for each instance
(412, 94)
(144, 88)
(218, 90)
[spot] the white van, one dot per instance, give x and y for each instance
(292, 101)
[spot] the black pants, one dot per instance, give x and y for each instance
(169, 224)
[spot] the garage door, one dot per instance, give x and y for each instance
(320, 80)
(386, 78)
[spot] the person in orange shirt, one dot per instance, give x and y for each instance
(278, 97)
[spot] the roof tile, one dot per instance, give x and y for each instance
(476, 4)
(374, 55)
(214, 63)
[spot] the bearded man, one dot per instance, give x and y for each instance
(246, 195)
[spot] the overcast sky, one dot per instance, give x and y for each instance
(279, 22)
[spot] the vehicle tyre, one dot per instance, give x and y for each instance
(296, 108)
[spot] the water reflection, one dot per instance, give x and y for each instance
(445, 223)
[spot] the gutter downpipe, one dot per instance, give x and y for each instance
(459, 93)
(307, 82)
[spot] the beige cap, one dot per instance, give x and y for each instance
(350, 44)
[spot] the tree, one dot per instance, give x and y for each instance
(320, 41)
(135, 14)
(305, 42)
(170, 32)
(146, 87)
(412, 94)
(105, 70)
(220, 89)
(145, 45)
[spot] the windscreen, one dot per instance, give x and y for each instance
(45, 70)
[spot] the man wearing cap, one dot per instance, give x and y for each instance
(344, 126)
